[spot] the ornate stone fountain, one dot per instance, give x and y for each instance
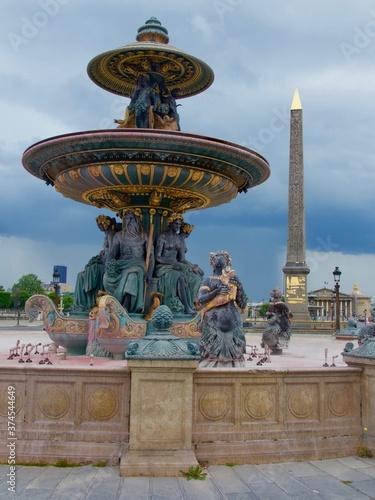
(146, 165)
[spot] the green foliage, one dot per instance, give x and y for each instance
(263, 309)
(33, 464)
(2, 289)
(364, 452)
(67, 301)
(62, 462)
(102, 463)
(5, 300)
(29, 283)
(194, 473)
(19, 296)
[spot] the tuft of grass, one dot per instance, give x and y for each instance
(364, 452)
(62, 462)
(33, 464)
(194, 473)
(230, 464)
(346, 482)
(102, 463)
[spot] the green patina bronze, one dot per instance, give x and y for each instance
(150, 168)
(162, 344)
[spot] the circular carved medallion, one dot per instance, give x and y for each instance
(259, 404)
(214, 405)
(54, 402)
(339, 401)
(5, 399)
(301, 402)
(102, 403)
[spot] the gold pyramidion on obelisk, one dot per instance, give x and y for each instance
(296, 103)
(296, 269)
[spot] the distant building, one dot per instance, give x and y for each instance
(322, 304)
(65, 288)
(63, 272)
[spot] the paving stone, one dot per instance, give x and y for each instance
(4, 470)
(296, 489)
(134, 488)
(201, 490)
(366, 487)
(270, 491)
(242, 496)
(353, 462)
(250, 474)
(49, 478)
(368, 461)
(35, 494)
(227, 479)
(274, 472)
(76, 483)
(300, 469)
(105, 484)
(24, 475)
(106, 473)
(368, 471)
(332, 489)
(337, 469)
(165, 488)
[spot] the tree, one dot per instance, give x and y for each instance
(29, 283)
(19, 297)
(2, 289)
(67, 301)
(5, 300)
(263, 309)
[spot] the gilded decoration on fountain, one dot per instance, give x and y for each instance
(118, 70)
(150, 174)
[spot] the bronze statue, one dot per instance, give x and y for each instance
(144, 96)
(90, 280)
(152, 105)
(221, 297)
(278, 332)
(185, 232)
(178, 283)
(126, 270)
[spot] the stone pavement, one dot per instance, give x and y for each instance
(350, 478)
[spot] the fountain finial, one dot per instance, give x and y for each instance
(152, 31)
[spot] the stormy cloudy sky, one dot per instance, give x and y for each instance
(260, 52)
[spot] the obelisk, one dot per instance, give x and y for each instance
(295, 269)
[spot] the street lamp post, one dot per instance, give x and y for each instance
(331, 311)
(365, 313)
(17, 304)
(56, 281)
(336, 276)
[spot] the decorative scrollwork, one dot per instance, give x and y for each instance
(53, 321)
(115, 322)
